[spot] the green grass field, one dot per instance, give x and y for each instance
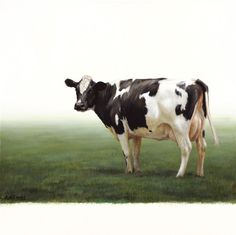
(82, 162)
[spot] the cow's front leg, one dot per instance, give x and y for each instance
(136, 153)
(124, 142)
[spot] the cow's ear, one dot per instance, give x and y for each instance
(70, 83)
(99, 86)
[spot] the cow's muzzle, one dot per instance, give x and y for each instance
(80, 107)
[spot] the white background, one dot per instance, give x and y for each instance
(113, 219)
(44, 42)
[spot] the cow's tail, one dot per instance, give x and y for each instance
(206, 108)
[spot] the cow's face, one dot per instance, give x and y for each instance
(86, 90)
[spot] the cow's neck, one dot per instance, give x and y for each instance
(103, 103)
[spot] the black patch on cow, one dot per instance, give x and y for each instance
(119, 129)
(129, 106)
(134, 110)
(178, 110)
(203, 134)
(194, 92)
(204, 105)
(193, 95)
(154, 89)
(202, 84)
(106, 109)
(124, 84)
(181, 85)
(159, 79)
(150, 85)
(204, 89)
(178, 93)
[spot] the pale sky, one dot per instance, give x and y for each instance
(45, 42)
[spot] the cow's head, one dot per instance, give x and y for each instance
(86, 92)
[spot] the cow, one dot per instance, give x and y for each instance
(156, 108)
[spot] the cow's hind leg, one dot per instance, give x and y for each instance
(201, 149)
(136, 153)
(124, 142)
(185, 146)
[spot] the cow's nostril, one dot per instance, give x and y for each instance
(81, 105)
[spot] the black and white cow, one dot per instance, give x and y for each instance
(151, 108)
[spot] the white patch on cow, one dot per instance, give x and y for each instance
(120, 93)
(168, 100)
(151, 104)
(116, 119)
(78, 101)
(85, 81)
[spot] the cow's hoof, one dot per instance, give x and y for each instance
(179, 175)
(199, 175)
(138, 173)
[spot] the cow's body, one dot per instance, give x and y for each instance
(149, 108)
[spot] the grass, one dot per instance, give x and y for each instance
(71, 162)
